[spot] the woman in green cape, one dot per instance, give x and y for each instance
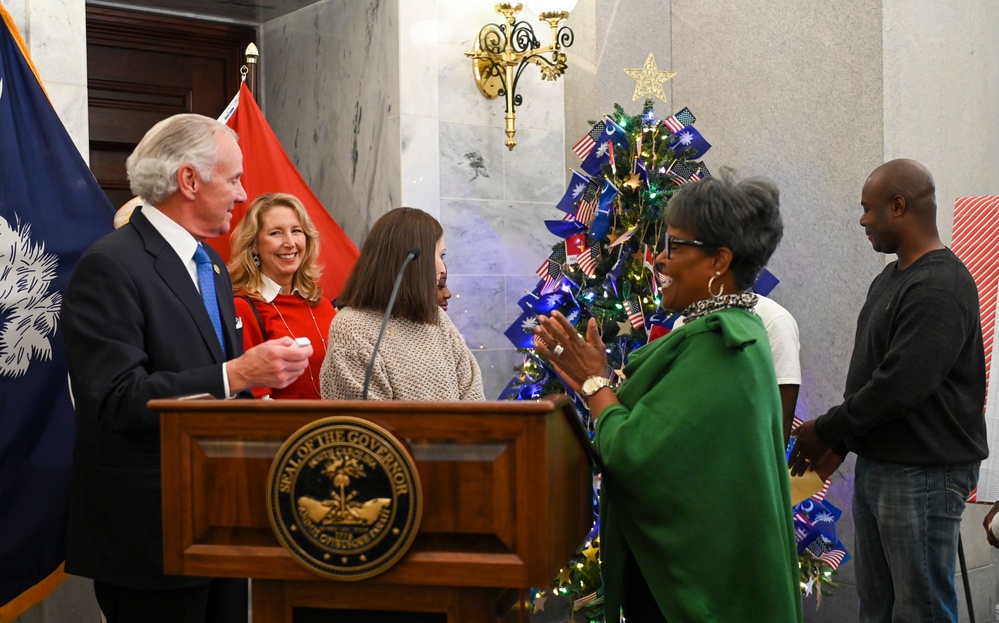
(695, 507)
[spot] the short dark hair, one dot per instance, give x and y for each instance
(741, 215)
(369, 285)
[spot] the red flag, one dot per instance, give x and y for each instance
(574, 246)
(267, 169)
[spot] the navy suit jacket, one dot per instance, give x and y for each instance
(136, 329)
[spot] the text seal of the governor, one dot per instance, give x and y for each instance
(344, 498)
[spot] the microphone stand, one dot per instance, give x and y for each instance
(412, 255)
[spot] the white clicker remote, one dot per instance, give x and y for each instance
(301, 341)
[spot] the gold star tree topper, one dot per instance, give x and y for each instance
(649, 80)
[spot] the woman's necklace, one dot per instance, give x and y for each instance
(746, 300)
(322, 340)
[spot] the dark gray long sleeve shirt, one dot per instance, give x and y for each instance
(915, 390)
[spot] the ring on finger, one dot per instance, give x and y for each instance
(558, 350)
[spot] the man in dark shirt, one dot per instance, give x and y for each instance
(913, 407)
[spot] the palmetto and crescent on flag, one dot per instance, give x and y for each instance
(51, 210)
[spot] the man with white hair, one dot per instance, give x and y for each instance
(149, 313)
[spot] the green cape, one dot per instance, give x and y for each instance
(694, 480)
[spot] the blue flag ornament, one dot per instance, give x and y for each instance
(601, 222)
(564, 229)
(688, 142)
(577, 185)
(765, 283)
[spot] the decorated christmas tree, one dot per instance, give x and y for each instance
(603, 267)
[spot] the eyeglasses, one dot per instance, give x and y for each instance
(672, 243)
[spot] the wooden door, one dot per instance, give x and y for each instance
(142, 68)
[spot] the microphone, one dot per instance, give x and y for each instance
(412, 255)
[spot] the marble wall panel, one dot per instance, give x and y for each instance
(56, 39)
(934, 66)
(543, 105)
(477, 305)
(534, 169)
(18, 10)
(471, 161)
(580, 78)
(460, 21)
(494, 247)
(460, 99)
(496, 237)
(419, 32)
(420, 163)
(497, 366)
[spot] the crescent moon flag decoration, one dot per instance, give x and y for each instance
(649, 80)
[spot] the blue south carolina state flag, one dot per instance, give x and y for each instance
(51, 209)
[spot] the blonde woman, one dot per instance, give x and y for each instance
(275, 279)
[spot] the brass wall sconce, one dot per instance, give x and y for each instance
(502, 51)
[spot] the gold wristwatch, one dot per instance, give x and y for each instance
(594, 384)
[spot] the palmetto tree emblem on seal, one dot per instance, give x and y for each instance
(344, 497)
(341, 509)
(344, 510)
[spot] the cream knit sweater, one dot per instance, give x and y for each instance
(415, 361)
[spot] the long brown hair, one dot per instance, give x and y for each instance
(386, 247)
(243, 270)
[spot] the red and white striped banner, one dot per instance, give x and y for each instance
(975, 240)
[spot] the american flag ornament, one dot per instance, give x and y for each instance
(636, 316)
(543, 269)
(588, 260)
(588, 204)
(683, 172)
(680, 120)
(585, 145)
(554, 276)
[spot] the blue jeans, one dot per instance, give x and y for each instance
(907, 521)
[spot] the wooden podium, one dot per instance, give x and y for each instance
(507, 490)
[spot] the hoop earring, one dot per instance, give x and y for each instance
(721, 286)
(256, 260)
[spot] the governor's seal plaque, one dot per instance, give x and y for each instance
(344, 498)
